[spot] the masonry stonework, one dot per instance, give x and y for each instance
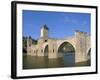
(49, 46)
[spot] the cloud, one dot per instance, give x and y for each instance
(83, 23)
(70, 20)
(75, 21)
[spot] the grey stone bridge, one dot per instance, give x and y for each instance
(79, 44)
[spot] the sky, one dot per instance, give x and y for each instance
(60, 24)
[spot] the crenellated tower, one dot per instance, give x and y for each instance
(44, 32)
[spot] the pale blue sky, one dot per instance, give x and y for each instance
(60, 24)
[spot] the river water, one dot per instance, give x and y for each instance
(35, 62)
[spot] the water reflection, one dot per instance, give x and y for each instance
(69, 59)
(35, 62)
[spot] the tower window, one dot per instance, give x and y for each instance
(46, 40)
(53, 50)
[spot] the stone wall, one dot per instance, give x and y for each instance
(81, 43)
(81, 46)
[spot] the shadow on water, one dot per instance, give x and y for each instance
(69, 59)
(31, 62)
(34, 62)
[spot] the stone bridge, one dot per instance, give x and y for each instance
(79, 44)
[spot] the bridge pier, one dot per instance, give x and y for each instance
(52, 49)
(81, 47)
(81, 42)
(80, 58)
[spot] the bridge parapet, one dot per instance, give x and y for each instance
(80, 41)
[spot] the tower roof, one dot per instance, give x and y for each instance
(45, 27)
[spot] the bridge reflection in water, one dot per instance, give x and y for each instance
(35, 62)
(66, 53)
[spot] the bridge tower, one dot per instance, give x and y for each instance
(81, 46)
(44, 32)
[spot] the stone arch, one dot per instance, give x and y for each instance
(89, 54)
(68, 45)
(72, 41)
(67, 51)
(46, 50)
